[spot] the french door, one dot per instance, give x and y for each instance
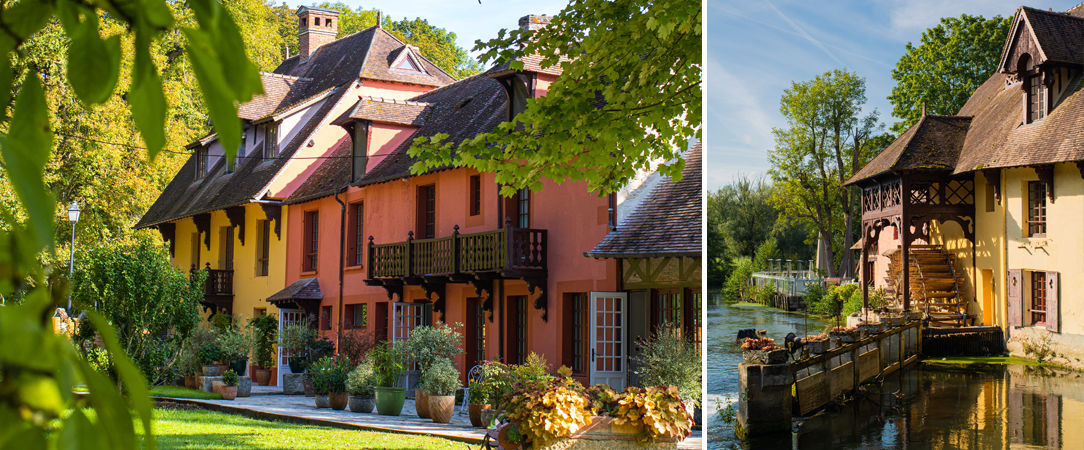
(609, 352)
(405, 317)
(287, 317)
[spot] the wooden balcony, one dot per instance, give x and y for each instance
(476, 258)
(217, 289)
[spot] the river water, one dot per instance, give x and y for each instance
(928, 407)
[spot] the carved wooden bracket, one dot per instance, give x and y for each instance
(487, 306)
(274, 212)
(203, 226)
(236, 214)
(1046, 176)
(993, 181)
(169, 234)
(541, 302)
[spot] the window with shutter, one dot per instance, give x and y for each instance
(1051, 294)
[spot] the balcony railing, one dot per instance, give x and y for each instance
(504, 250)
(219, 282)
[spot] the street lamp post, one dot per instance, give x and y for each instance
(73, 217)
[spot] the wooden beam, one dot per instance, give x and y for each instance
(1045, 172)
(203, 226)
(236, 214)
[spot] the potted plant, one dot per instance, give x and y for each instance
(816, 343)
(763, 351)
(667, 359)
(329, 381)
(388, 367)
(209, 355)
(845, 335)
(359, 384)
(298, 339)
(480, 392)
(441, 381)
(425, 346)
(544, 411)
(263, 333)
(229, 380)
(235, 344)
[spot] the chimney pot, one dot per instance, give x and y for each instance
(316, 27)
(533, 22)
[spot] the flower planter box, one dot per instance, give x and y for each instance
(778, 356)
(602, 433)
(817, 347)
(848, 337)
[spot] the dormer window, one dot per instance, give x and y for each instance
(201, 162)
(270, 141)
(1034, 91)
(408, 62)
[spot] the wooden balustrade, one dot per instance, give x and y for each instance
(488, 251)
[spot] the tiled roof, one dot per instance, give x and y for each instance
(1060, 35)
(332, 174)
(187, 196)
(403, 112)
(303, 289)
(532, 63)
(460, 110)
(276, 89)
(341, 61)
(329, 72)
(999, 139)
(667, 223)
(934, 142)
(995, 135)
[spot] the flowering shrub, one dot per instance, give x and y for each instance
(816, 337)
(655, 412)
(545, 411)
(763, 343)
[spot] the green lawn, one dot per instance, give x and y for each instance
(182, 392)
(194, 428)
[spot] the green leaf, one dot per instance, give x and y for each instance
(93, 62)
(146, 98)
(78, 432)
(216, 90)
(25, 151)
(128, 373)
(26, 17)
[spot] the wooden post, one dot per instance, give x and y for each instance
(369, 259)
(410, 253)
(865, 273)
(455, 249)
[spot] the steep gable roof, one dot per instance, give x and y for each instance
(934, 142)
(377, 109)
(294, 84)
(667, 223)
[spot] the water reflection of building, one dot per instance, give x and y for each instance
(985, 206)
(1015, 406)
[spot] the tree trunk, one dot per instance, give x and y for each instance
(846, 260)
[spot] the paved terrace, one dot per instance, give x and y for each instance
(268, 403)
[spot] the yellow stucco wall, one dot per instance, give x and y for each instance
(1002, 245)
(250, 290)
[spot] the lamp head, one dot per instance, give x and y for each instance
(73, 212)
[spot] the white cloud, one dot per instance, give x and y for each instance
(907, 20)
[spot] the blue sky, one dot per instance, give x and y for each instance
(468, 19)
(756, 49)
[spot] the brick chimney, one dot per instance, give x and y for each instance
(316, 27)
(532, 22)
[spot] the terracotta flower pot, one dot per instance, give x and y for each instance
(262, 376)
(361, 404)
(504, 438)
(191, 382)
(229, 392)
(474, 411)
(339, 400)
(487, 416)
(441, 408)
(421, 403)
(323, 401)
(216, 387)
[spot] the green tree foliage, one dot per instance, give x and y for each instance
(39, 368)
(152, 305)
(741, 219)
(630, 97)
(951, 60)
(436, 44)
(826, 140)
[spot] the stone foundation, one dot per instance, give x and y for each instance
(1063, 348)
